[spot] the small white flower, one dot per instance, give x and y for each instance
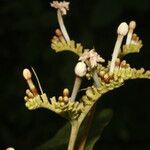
(84, 56)
(94, 58)
(62, 6)
(91, 56)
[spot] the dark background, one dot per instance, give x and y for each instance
(26, 27)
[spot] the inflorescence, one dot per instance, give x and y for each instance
(89, 66)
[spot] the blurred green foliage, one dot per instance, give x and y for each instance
(26, 28)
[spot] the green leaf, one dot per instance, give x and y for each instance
(59, 141)
(100, 121)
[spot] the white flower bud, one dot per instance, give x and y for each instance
(122, 29)
(80, 69)
(27, 74)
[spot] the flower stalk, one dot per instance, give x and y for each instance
(73, 135)
(87, 129)
(62, 8)
(122, 31)
(132, 26)
(62, 26)
(76, 87)
(80, 71)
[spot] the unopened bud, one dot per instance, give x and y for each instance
(62, 104)
(122, 29)
(88, 76)
(102, 73)
(26, 98)
(123, 63)
(60, 98)
(117, 63)
(106, 77)
(66, 92)
(66, 99)
(132, 25)
(29, 93)
(58, 32)
(80, 69)
(27, 74)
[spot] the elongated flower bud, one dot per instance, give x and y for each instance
(27, 74)
(122, 31)
(132, 26)
(66, 92)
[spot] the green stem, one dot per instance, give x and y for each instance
(73, 135)
(87, 129)
(76, 125)
(89, 116)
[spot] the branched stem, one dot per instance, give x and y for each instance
(75, 125)
(89, 116)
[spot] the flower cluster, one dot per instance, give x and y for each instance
(62, 6)
(91, 57)
(89, 65)
(105, 78)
